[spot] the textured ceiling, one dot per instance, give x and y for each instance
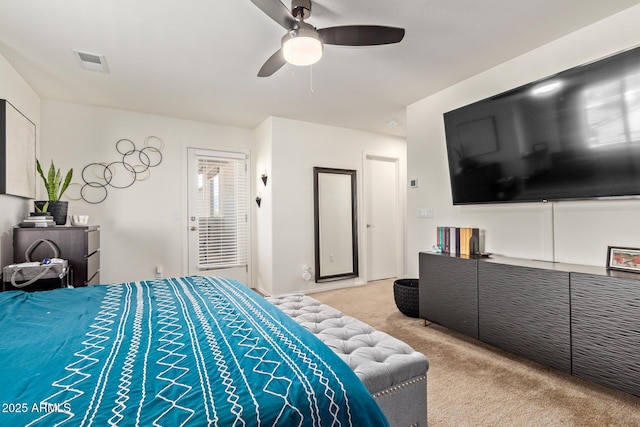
(198, 59)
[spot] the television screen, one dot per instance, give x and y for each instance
(574, 135)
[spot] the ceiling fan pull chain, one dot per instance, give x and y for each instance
(311, 80)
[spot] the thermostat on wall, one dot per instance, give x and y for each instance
(414, 183)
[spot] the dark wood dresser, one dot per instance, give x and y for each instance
(80, 245)
(580, 319)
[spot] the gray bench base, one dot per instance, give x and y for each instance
(394, 373)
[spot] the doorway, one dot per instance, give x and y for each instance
(383, 216)
(218, 206)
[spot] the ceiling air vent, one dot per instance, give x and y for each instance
(92, 61)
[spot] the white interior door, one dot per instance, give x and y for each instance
(381, 187)
(218, 214)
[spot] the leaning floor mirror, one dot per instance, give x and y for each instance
(336, 231)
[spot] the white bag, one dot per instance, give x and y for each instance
(26, 273)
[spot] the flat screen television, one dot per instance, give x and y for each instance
(573, 135)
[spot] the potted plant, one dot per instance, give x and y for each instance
(40, 208)
(55, 188)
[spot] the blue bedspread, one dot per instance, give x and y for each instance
(190, 351)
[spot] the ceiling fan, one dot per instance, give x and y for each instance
(303, 43)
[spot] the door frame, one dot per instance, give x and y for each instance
(185, 207)
(400, 211)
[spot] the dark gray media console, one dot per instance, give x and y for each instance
(579, 319)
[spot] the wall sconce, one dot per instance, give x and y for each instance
(258, 200)
(264, 178)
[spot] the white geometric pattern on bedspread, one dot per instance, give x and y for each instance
(172, 352)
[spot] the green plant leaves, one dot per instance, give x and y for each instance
(53, 179)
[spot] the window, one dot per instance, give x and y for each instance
(221, 211)
(613, 111)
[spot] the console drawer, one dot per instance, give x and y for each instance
(95, 279)
(93, 265)
(93, 241)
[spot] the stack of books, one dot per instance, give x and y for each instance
(37, 221)
(459, 240)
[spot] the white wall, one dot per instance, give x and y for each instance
(296, 148)
(263, 215)
(14, 89)
(575, 232)
(144, 225)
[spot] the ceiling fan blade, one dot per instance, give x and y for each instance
(273, 64)
(361, 35)
(278, 12)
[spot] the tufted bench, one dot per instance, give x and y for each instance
(394, 373)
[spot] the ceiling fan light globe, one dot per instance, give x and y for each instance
(302, 48)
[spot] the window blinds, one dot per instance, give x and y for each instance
(221, 210)
(613, 110)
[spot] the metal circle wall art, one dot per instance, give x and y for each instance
(135, 165)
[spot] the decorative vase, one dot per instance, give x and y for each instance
(59, 211)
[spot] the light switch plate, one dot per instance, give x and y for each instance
(425, 213)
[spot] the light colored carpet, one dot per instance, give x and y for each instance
(474, 384)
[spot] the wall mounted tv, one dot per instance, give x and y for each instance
(574, 135)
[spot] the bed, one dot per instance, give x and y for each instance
(184, 351)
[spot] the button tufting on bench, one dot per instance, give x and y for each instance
(380, 360)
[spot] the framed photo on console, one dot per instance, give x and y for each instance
(623, 259)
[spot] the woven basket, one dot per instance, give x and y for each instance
(405, 294)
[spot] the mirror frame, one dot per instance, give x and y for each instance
(319, 276)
